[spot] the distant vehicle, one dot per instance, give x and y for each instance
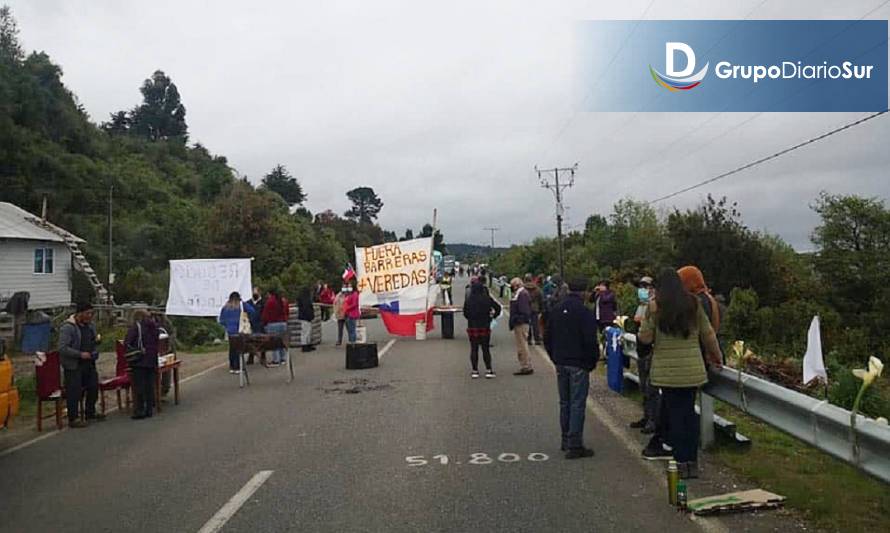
(448, 263)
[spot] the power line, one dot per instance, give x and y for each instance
(557, 189)
(769, 157)
(492, 230)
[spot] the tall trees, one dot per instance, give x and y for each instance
(366, 205)
(10, 49)
(161, 116)
(280, 181)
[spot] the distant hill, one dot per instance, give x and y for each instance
(472, 252)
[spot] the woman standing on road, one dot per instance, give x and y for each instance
(143, 335)
(276, 312)
(675, 325)
(340, 313)
(230, 318)
(479, 309)
(352, 310)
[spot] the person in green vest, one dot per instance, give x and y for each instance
(679, 331)
(445, 286)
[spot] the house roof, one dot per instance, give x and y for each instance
(16, 223)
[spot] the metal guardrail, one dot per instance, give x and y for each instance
(813, 421)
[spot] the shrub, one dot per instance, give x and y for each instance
(192, 332)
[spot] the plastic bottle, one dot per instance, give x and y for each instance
(673, 478)
(682, 496)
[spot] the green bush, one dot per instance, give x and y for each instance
(191, 332)
(844, 389)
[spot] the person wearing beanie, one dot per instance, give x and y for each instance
(78, 350)
(572, 344)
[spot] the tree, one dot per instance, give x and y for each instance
(438, 240)
(366, 205)
(119, 124)
(409, 234)
(161, 115)
(10, 49)
(281, 182)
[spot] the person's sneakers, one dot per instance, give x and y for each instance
(489, 374)
(656, 451)
(77, 424)
(98, 417)
(641, 423)
(524, 372)
(231, 371)
(474, 374)
(648, 429)
(688, 470)
(236, 371)
(578, 453)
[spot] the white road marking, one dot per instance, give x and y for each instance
(110, 410)
(231, 507)
(385, 349)
(710, 525)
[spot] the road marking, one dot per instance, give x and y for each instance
(710, 525)
(231, 507)
(385, 349)
(110, 410)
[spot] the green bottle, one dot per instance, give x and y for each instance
(681, 496)
(673, 478)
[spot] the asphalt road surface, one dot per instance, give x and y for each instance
(413, 445)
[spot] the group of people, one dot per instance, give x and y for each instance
(677, 319)
(79, 351)
(269, 314)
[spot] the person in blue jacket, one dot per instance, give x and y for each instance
(230, 318)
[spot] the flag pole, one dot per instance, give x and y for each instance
(426, 307)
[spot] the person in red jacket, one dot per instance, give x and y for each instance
(275, 315)
(352, 310)
(326, 298)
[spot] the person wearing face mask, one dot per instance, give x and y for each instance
(646, 424)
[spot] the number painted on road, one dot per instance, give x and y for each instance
(478, 458)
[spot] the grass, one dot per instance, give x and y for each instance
(827, 492)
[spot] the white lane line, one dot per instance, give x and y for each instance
(110, 410)
(654, 467)
(231, 507)
(385, 349)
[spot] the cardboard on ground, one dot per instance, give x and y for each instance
(733, 502)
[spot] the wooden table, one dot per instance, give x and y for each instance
(260, 342)
(173, 368)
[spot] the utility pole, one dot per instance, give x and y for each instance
(492, 230)
(110, 201)
(557, 189)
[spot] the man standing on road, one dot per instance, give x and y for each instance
(520, 315)
(571, 343)
(78, 344)
(536, 299)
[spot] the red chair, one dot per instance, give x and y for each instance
(49, 387)
(120, 381)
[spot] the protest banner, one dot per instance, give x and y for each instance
(395, 277)
(200, 287)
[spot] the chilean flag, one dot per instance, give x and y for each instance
(404, 325)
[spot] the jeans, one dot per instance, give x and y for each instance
(278, 329)
(341, 322)
(234, 352)
(574, 384)
(84, 378)
(350, 329)
(683, 426)
(475, 345)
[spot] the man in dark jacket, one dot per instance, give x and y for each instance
(78, 350)
(571, 343)
(256, 320)
(143, 335)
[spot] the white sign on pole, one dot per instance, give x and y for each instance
(200, 287)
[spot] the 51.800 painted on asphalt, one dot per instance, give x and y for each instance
(478, 458)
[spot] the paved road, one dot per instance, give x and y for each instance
(338, 459)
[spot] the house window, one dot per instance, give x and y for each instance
(43, 261)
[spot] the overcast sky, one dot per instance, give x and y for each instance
(450, 105)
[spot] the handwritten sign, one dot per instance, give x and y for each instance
(395, 272)
(200, 287)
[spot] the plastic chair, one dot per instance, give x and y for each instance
(120, 381)
(49, 387)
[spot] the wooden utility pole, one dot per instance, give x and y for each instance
(557, 189)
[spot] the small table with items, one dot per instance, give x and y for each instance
(167, 364)
(259, 342)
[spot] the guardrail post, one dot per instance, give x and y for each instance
(706, 420)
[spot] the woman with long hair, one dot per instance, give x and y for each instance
(352, 310)
(230, 318)
(276, 312)
(479, 309)
(679, 331)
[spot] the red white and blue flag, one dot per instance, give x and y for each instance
(395, 277)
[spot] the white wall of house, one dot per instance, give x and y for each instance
(17, 273)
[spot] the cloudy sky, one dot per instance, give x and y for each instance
(451, 105)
